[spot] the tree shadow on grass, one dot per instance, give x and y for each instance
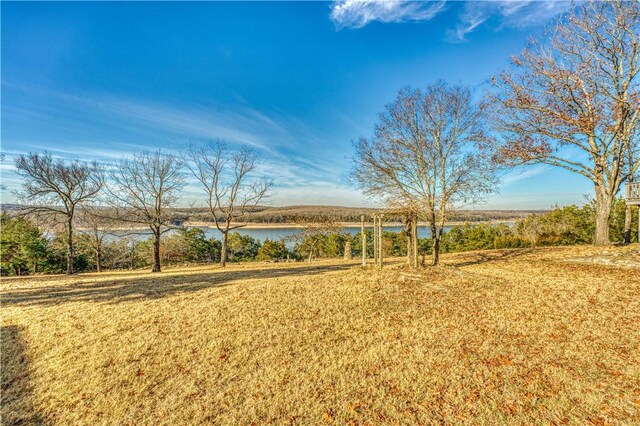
(17, 403)
(151, 286)
(476, 258)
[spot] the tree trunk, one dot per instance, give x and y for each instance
(436, 251)
(311, 252)
(69, 247)
(223, 249)
(156, 251)
(435, 239)
(627, 224)
(408, 231)
(603, 214)
(98, 255)
(415, 243)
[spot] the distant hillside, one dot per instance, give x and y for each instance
(293, 214)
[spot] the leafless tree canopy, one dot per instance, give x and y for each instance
(227, 178)
(96, 225)
(55, 188)
(572, 99)
(143, 189)
(430, 153)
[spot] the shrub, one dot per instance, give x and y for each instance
(473, 237)
(23, 248)
(509, 241)
(242, 247)
(272, 250)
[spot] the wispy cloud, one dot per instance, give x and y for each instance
(105, 128)
(504, 13)
(473, 14)
(82, 114)
(358, 13)
(523, 173)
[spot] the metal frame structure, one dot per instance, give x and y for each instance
(378, 250)
(377, 240)
(632, 198)
(632, 193)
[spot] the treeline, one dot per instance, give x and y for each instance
(139, 191)
(26, 249)
(304, 214)
(560, 226)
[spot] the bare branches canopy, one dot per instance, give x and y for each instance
(143, 189)
(430, 153)
(571, 99)
(56, 188)
(232, 190)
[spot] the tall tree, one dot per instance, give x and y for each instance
(571, 99)
(429, 154)
(227, 177)
(56, 188)
(143, 189)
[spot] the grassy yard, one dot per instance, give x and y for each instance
(546, 336)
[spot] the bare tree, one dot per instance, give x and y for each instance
(572, 100)
(55, 189)
(96, 225)
(143, 189)
(232, 190)
(429, 154)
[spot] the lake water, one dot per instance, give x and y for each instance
(262, 234)
(277, 233)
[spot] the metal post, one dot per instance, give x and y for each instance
(415, 242)
(363, 236)
(380, 252)
(375, 239)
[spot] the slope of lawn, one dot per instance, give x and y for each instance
(544, 336)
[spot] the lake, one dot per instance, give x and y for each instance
(262, 234)
(277, 233)
(285, 232)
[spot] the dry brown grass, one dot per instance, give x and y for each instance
(501, 337)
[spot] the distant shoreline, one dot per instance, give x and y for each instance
(341, 224)
(210, 225)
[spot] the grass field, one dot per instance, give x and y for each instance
(545, 336)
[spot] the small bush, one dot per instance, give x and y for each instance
(272, 250)
(509, 241)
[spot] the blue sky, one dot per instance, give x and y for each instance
(297, 80)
